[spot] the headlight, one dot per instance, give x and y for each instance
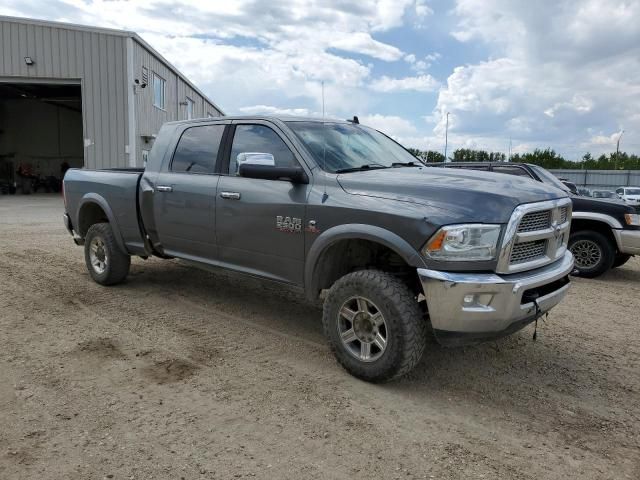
(464, 243)
(632, 219)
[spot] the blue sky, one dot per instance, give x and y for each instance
(550, 73)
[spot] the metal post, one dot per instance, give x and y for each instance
(446, 138)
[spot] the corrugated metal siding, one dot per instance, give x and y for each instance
(606, 179)
(149, 118)
(98, 60)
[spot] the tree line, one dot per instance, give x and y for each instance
(546, 158)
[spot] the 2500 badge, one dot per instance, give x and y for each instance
(289, 224)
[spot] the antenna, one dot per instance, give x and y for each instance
(324, 151)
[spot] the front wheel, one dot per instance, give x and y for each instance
(593, 253)
(374, 325)
(107, 264)
(621, 259)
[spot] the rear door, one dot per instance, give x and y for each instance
(184, 195)
(260, 223)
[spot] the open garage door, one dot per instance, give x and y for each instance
(40, 135)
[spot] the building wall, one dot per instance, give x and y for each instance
(97, 60)
(600, 179)
(149, 118)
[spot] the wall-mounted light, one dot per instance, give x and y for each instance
(29, 61)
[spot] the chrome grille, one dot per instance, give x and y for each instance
(564, 213)
(527, 251)
(536, 235)
(535, 221)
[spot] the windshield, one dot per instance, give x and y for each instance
(339, 147)
(549, 178)
(603, 194)
(632, 191)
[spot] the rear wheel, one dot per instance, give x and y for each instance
(620, 260)
(374, 325)
(107, 264)
(593, 253)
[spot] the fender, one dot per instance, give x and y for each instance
(102, 203)
(355, 231)
(599, 217)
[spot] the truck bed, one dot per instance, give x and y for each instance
(115, 191)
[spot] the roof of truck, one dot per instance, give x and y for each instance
(282, 118)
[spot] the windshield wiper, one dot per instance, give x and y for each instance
(368, 166)
(404, 164)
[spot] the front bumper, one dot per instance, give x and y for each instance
(467, 308)
(628, 241)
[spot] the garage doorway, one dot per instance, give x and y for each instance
(40, 135)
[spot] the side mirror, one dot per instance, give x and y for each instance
(263, 166)
(267, 172)
(255, 158)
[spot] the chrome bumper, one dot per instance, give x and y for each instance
(628, 241)
(468, 308)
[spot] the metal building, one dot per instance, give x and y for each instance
(85, 96)
(600, 179)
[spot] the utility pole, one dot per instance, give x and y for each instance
(509, 149)
(618, 148)
(446, 138)
(618, 143)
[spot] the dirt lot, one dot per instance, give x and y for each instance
(184, 374)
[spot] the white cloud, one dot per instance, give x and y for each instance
(578, 104)
(360, 42)
(605, 140)
(422, 9)
(249, 52)
(271, 110)
(393, 126)
(555, 72)
(421, 83)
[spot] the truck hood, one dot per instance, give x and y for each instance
(473, 195)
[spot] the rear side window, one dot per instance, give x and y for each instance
(511, 170)
(197, 149)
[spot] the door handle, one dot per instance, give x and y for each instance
(230, 195)
(164, 188)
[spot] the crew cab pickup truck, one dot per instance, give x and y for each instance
(345, 214)
(605, 234)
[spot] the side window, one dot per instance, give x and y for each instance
(259, 139)
(511, 170)
(158, 91)
(190, 108)
(197, 149)
(620, 191)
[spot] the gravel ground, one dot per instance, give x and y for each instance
(180, 373)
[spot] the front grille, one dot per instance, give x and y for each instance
(564, 213)
(527, 251)
(536, 235)
(535, 221)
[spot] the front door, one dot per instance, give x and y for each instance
(184, 195)
(260, 223)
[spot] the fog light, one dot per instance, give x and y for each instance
(469, 299)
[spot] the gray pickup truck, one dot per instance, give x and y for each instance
(345, 214)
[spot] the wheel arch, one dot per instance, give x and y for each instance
(94, 209)
(329, 246)
(596, 225)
